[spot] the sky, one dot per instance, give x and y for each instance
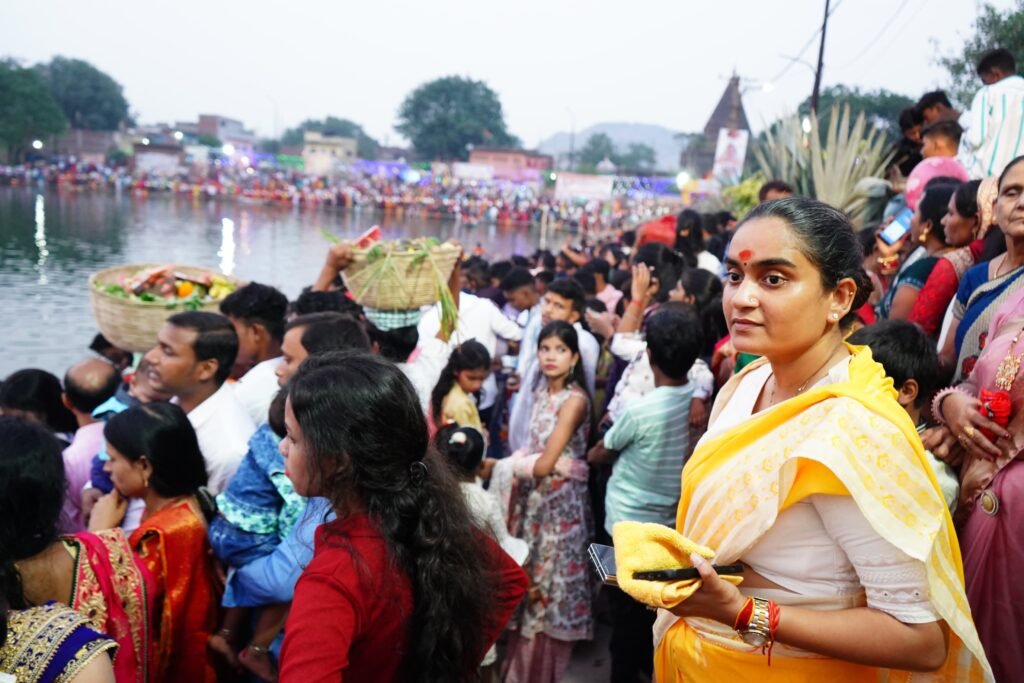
(555, 64)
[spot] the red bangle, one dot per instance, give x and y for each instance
(774, 613)
(742, 621)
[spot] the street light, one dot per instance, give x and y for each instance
(228, 150)
(145, 141)
(572, 140)
(178, 135)
(681, 179)
(37, 144)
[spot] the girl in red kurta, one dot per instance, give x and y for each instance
(402, 587)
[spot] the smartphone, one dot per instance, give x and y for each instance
(684, 573)
(603, 559)
(899, 227)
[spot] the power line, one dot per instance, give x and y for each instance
(810, 41)
(878, 36)
(906, 23)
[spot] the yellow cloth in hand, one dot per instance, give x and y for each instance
(641, 546)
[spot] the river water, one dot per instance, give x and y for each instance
(51, 242)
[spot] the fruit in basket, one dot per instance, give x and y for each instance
(165, 285)
(402, 274)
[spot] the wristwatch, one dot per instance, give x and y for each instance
(757, 632)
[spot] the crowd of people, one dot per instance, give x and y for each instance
(422, 193)
(319, 491)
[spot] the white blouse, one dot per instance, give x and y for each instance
(824, 546)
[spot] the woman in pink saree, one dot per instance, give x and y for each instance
(992, 485)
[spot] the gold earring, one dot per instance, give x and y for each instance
(924, 237)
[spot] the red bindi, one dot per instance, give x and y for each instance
(745, 255)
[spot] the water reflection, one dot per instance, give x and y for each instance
(50, 243)
(227, 245)
(40, 238)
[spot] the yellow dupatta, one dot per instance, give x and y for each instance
(850, 438)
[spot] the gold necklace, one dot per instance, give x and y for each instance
(802, 387)
(1008, 369)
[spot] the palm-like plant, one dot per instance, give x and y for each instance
(783, 154)
(829, 164)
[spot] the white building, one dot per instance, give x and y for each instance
(325, 154)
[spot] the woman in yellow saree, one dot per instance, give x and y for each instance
(813, 477)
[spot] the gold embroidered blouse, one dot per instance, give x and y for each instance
(50, 643)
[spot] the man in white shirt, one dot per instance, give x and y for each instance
(192, 360)
(394, 335)
(563, 300)
(257, 313)
(995, 122)
(520, 289)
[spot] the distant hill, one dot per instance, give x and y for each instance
(666, 145)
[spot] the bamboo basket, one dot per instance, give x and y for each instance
(400, 281)
(133, 325)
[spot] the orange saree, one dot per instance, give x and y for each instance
(173, 545)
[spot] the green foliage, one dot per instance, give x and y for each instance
(443, 116)
(366, 146)
(832, 164)
(881, 107)
(992, 29)
(89, 98)
(117, 157)
(597, 148)
(269, 145)
(638, 158)
(27, 110)
(209, 140)
(740, 198)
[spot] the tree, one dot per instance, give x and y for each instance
(992, 29)
(89, 98)
(269, 145)
(597, 148)
(209, 140)
(366, 146)
(640, 157)
(27, 110)
(442, 117)
(881, 107)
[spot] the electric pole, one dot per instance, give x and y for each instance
(821, 64)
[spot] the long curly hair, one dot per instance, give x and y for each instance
(366, 437)
(31, 498)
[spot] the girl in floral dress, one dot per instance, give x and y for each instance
(544, 489)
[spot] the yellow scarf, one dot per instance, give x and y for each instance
(850, 438)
